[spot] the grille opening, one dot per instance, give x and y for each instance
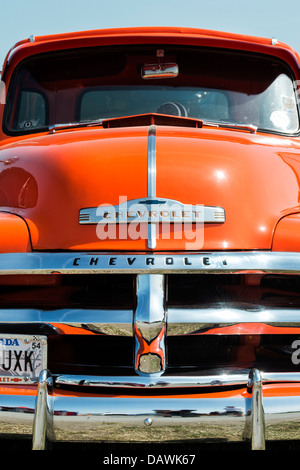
(90, 355)
(63, 291)
(234, 290)
(199, 353)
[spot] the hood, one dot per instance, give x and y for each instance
(48, 179)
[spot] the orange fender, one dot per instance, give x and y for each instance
(14, 234)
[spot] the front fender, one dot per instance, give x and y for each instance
(287, 234)
(14, 234)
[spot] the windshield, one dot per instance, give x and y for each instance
(103, 83)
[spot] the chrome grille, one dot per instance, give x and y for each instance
(106, 324)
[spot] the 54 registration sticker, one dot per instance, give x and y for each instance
(22, 358)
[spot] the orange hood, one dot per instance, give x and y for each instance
(48, 179)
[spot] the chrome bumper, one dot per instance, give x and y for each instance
(101, 417)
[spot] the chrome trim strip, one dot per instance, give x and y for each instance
(75, 317)
(165, 381)
(192, 319)
(180, 321)
(98, 262)
(151, 181)
(225, 315)
(150, 324)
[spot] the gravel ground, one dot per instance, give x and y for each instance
(196, 447)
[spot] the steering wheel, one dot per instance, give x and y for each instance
(175, 109)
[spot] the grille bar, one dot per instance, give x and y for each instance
(216, 317)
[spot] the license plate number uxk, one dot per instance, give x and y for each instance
(22, 358)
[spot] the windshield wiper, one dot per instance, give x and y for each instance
(69, 125)
(230, 125)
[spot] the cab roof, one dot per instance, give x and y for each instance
(148, 35)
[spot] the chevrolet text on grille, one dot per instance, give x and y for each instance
(148, 261)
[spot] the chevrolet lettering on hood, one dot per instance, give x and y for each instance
(150, 248)
(151, 211)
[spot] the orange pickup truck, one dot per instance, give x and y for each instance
(150, 238)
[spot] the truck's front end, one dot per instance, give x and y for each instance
(150, 252)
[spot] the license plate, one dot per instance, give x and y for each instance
(22, 358)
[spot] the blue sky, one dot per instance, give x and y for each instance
(266, 18)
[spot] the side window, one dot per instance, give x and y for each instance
(32, 111)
